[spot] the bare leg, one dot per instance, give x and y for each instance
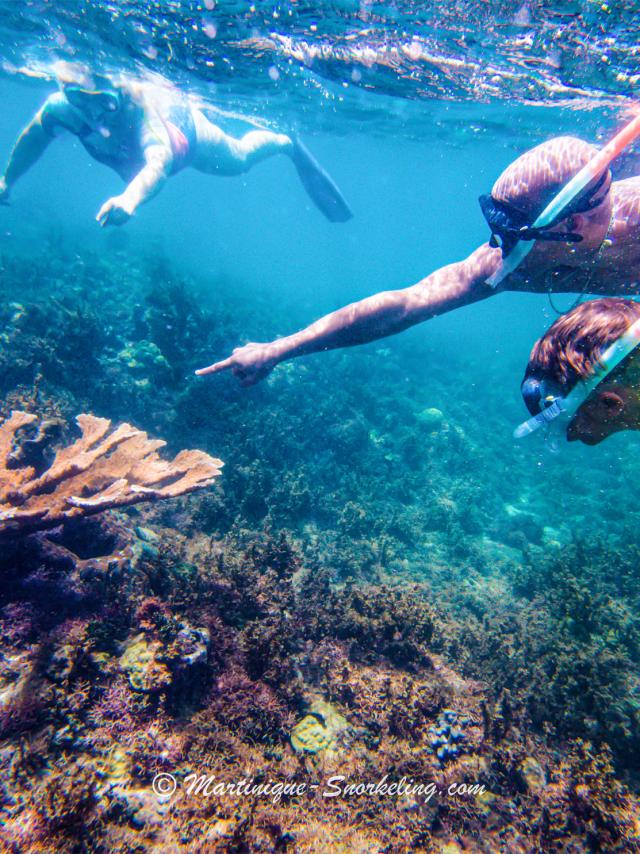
(260, 144)
(217, 153)
(220, 154)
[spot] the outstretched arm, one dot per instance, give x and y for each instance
(375, 317)
(56, 112)
(149, 180)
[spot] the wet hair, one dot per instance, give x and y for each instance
(534, 178)
(571, 347)
(72, 73)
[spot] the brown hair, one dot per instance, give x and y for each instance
(535, 177)
(571, 347)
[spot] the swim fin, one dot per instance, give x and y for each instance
(319, 185)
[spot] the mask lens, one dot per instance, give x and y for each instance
(532, 393)
(92, 102)
(109, 101)
(74, 95)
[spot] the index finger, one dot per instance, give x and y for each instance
(224, 365)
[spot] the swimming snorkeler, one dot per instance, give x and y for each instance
(583, 374)
(147, 132)
(588, 243)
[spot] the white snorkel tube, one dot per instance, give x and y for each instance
(567, 194)
(564, 408)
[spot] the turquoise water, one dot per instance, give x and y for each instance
(414, 109)
(415, 209)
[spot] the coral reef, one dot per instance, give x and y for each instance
(303, 712)
(378, 604)
(103, 469)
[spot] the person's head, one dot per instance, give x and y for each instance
(527, 186)
(569, 351)
(95, 95)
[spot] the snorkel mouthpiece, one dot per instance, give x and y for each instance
(549, 414)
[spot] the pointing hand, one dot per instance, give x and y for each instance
(249, 364)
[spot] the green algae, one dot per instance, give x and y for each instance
(404, 572)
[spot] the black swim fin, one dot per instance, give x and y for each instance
(319, 185)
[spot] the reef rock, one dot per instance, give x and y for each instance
(104, 468)
(321, 730)
(532, 775)
(151, 666)
(192, 646)
(431, 418)
(142, 663)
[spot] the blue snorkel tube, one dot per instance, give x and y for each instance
(567, 194)
(562, 409)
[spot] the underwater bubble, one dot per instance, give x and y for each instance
(209, 28)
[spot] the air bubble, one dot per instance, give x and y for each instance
(210, 29)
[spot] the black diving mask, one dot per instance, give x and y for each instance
(95, 102)
(509, 224)
(539, 393)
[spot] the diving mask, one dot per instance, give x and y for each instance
(509, 224)
(95, 102)
(558, 206)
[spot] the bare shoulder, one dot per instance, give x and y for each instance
(626, 191)
(626, 204)
(133, 88)
(152, 97)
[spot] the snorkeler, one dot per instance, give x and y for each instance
(583, 374)
(147, 132)
(588, 244)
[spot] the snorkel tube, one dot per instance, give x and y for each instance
(567, 194)
(562, 409)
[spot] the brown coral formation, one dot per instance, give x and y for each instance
(105, 468)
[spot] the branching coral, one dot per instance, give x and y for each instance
(103, 469)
